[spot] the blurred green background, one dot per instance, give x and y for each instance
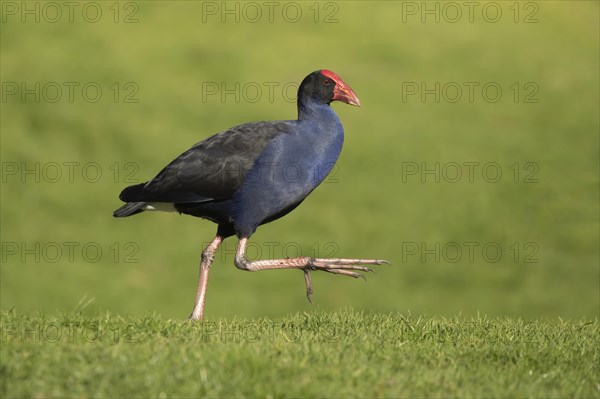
(371, 207)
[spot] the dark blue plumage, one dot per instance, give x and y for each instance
(253, 174)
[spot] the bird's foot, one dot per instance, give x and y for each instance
(345, 267)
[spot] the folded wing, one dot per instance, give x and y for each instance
(212, 169)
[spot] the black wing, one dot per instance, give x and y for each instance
(212, 169)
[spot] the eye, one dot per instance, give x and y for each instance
(327, 82)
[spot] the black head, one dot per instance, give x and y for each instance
(324, 86)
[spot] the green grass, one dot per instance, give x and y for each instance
(318, 354)
(548, 230)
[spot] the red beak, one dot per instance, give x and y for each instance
(344, 93)
(341, 92)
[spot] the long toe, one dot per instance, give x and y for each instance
(342, 261)
(345, 273)
(334, 264)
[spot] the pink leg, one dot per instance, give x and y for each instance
(346, 267)
(207, 258)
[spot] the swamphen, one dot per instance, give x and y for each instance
(253, 174)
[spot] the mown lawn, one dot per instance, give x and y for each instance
(343, 354)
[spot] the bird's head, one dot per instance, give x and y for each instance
(324, 86)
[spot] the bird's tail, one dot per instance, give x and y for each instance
(130, 208)
(135, 201)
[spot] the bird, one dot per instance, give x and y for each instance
(252, 174)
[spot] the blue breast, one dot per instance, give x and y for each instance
(289, 169)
